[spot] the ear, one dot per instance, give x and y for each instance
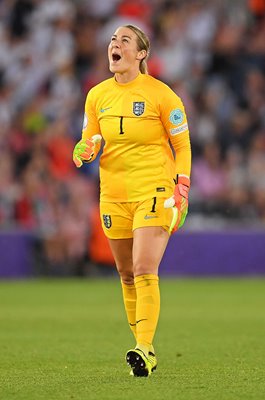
(141, 55)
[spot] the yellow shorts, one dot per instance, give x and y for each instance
(119, 220)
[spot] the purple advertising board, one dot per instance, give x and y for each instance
(194, 254)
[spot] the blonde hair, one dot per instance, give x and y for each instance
(143, 43)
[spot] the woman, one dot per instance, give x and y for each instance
(144, 188)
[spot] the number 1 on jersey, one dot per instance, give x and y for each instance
(121, 126)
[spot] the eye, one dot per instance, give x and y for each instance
(125, 40)
(112, 39)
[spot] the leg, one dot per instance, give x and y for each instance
(149, 244)
(148, 248)
(122, 252)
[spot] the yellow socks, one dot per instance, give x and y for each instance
(129, 299)
(142, 306)
(147, 310)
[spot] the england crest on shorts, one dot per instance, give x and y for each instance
(138, 108)
(107, 220)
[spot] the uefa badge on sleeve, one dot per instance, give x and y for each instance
(138, 108)
(176, 117)
(107, 220)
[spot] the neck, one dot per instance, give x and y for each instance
(126, 76)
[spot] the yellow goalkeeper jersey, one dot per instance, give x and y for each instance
(137, 120)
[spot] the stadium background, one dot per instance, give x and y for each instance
(66, 338)
(212, 53)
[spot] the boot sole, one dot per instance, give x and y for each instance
(138, 364)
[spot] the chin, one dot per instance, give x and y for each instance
(114, 69)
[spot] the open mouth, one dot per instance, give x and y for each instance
(116, 57)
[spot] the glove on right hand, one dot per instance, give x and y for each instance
(86, 150)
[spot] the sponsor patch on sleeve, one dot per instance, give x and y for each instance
(85, 121)
(179, 129)
(176, 117)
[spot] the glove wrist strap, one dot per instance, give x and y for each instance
(183, 179)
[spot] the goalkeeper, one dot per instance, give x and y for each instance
(144, 184)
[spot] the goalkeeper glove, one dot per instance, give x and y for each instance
(86, 150)
(179, 202)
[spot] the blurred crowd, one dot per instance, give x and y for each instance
(210, 52)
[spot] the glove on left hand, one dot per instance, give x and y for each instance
(179, 201)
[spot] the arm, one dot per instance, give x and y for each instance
(87, 148)
(175, 122)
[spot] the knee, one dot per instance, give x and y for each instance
(126, 275)
(144, 267)
(127, 279)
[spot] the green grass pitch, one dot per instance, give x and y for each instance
(66, 339)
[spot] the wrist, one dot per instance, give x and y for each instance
(183, 180)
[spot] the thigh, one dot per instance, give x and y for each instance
(151, 212)
(122, 253)
(149, 244)
(116, 220)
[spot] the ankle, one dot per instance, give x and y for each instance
(145, 348)
(152, 350)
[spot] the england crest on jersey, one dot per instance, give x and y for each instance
(138, 108)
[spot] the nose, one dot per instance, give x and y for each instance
(115, 43)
